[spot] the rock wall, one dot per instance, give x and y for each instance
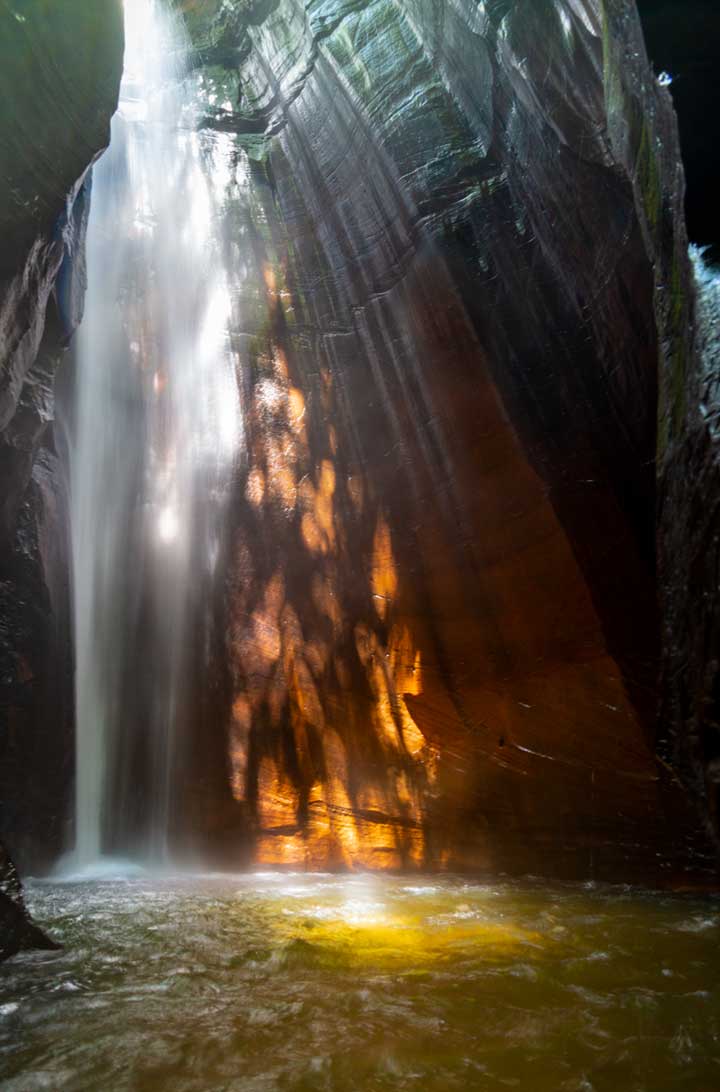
(455, 227)
(60, 66)
(461, 289)
(688, 540)
(17, 931)
(688, 527)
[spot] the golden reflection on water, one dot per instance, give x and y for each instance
(315, 983)
(365, 932)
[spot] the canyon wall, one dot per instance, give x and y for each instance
(60, 66)
(460, 287)
(688, 529)
(460, 255)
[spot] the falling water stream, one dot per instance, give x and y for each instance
(154, 433)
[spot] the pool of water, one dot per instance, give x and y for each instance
(304, 983)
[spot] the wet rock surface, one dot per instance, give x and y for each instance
(459, 255)
(59, 78)
(17, 931)
(688, 536)
(441, 618)
(688, 310)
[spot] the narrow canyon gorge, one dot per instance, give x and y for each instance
(358, 410)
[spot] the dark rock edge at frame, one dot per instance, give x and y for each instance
(60, 73)
(18, 932)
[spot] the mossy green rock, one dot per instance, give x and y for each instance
(60, 66)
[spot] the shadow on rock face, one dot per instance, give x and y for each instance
(17, 932)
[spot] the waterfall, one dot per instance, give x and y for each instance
(153, 430)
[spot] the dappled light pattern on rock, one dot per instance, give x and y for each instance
(440, 614)
(325, 755)
(453, 245)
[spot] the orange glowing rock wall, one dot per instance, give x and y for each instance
(440, 613)
(419, 675)
(323, 749)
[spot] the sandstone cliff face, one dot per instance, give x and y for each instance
(458, 252)
(464, 220)
(688, 529)
(60, 69)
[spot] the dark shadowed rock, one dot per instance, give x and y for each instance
(60, 66)
(17, 932)
(689, 543)
(683, 40)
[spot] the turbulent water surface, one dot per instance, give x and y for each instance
(264, 982)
